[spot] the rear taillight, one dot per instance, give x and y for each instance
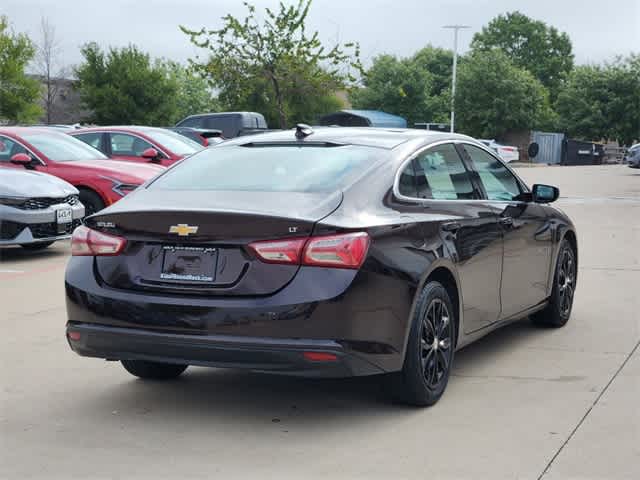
(338, 251)
(279, 251)
(91, 242)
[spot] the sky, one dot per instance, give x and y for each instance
(599, 29)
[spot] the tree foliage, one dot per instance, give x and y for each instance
(529, 44)
(602, 101)
(124, 86)
(18, 92)
(416, 88)
(494, 96)
(273, 65)
(193, 93)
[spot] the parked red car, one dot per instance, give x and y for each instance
(138, 144)
(100, 181)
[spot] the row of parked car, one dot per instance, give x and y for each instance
(51, 176)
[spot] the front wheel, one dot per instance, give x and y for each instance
(430, 347)
(91, 201)
(557, 312)
(153, 370)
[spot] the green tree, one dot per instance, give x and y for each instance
(529, 44)
(602, 101)
(417, 88)
(18, 93)
(124, 86)
(268, 63)
(193, 94)
(494, 96)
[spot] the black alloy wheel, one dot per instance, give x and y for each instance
(430, 349)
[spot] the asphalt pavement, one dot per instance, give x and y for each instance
(523, 403)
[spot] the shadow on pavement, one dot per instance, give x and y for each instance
(218, 395)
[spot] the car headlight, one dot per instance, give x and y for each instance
(12, 201)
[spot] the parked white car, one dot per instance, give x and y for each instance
(36, 209)
(506, 152)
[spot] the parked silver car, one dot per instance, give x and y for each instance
(36, 209)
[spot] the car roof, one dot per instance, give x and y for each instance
(121, 128)
(388, 138)
(18, 131)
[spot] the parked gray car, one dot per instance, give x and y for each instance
(633, 156)
(36, 209)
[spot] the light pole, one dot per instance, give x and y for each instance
(455, 67)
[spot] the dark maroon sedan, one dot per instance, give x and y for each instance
(328, 252)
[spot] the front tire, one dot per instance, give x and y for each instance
(91, 200)
(557, 312)
(430, 349)
(153, 370)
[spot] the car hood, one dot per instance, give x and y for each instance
(30, 184)
(127, 171)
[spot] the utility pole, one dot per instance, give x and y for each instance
(455, 29)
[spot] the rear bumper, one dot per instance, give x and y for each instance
(362, 317)
(281, 356)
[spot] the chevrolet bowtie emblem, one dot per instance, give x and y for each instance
(182, 229)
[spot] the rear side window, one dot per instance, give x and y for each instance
(193, 122)
(281, 168)
(442, 174)
(497, 180)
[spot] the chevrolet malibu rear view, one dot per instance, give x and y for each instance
(332, 252)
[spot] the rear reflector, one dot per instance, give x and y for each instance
(75, 336)
(87, 242)
(338, 251)
(320, 357)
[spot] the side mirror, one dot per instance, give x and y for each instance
(21, 159)
(533, 150)
(544, 193)
(150, 154)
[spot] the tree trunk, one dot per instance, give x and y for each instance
(280, 103)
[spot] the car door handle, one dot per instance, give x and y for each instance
(506, 221)
(451, 226)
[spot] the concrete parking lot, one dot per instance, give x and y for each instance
(523, 403)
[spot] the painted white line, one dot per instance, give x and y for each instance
(11, 271)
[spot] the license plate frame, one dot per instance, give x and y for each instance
(189, 265)
(64, 215)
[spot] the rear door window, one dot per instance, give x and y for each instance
(442, 175)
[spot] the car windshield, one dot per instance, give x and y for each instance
(60, 147)
(175, 142)
(290, 168)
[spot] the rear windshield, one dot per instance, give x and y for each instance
(271, 168)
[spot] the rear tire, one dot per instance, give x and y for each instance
(430, 348)
(153, 370)
(36, 246)
(556, 314)
(91, 201)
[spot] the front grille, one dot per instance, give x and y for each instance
(45, 202)
(10, 230)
